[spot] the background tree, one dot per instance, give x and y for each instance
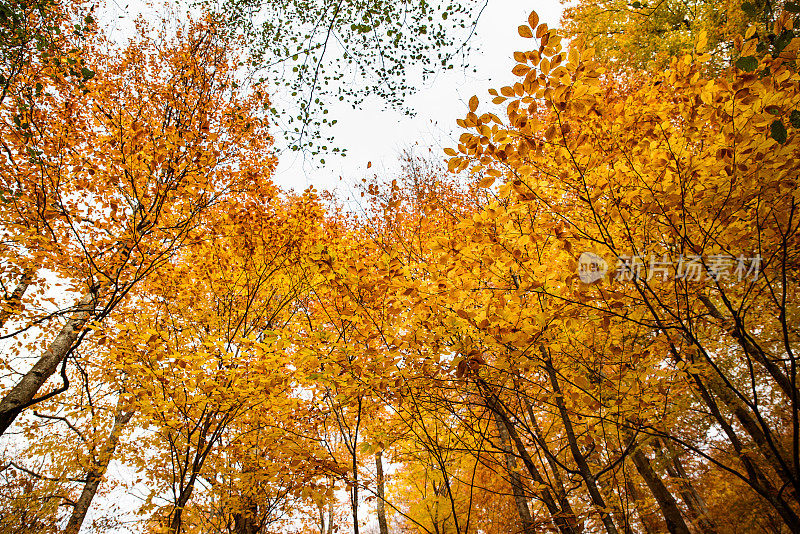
(344, 51)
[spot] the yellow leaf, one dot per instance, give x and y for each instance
(487, 181)
(520, 70)
(533, 19)
(473, 104)
(702, 41)
(525, 32)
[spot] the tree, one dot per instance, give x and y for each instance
(621, 174)
(376, 48)
(111, 181)
(647, 35)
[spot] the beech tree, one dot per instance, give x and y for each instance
(110, 190)
(597, 182)
(312, 49)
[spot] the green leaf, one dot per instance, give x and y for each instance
(794, 118)
(747, 63)
(778, 131)
(784, 39)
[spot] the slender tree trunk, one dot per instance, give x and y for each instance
(751, 421)
(566, 524)
(693, 501)
(321, 510)
(580, 460)
(25, 390)
(666, 501)
(354, 498)
(206, 441)
(245, 522)
(176, 522)
(384, 528)
(330, 514)
(751, 349)
(649, 523)
(561, 493)
(755, 476)
(764, 442)
(12, 307)
(621, 517)
(517, 488)
(95, 474)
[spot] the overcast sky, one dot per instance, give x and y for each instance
(373, 134)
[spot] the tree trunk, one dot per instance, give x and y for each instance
(749, 418)
(176, 521)
(755, 476)
(698, 511)
(649, 523)
(666, 501)
(321, 510)
(12, 307)
(245, 522)
(23, 393)
(751, 349)
(517, 488)
(580, 460)
(565, 523)
(330, 513)
(561, 493)
(384, 528)
(764, 442)
(95, 474)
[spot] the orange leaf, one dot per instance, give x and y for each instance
(487, 181)
(533, 19)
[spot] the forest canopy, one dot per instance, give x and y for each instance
(582, 318)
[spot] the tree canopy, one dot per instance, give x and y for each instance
(584, 319)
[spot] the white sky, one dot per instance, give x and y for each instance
(373, 134)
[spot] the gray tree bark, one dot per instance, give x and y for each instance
(384, 528)
(96, 473)
(666, 501)
(698, 512)
(24, 391)
(13, 305)
(517, 487)
(580, 460)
